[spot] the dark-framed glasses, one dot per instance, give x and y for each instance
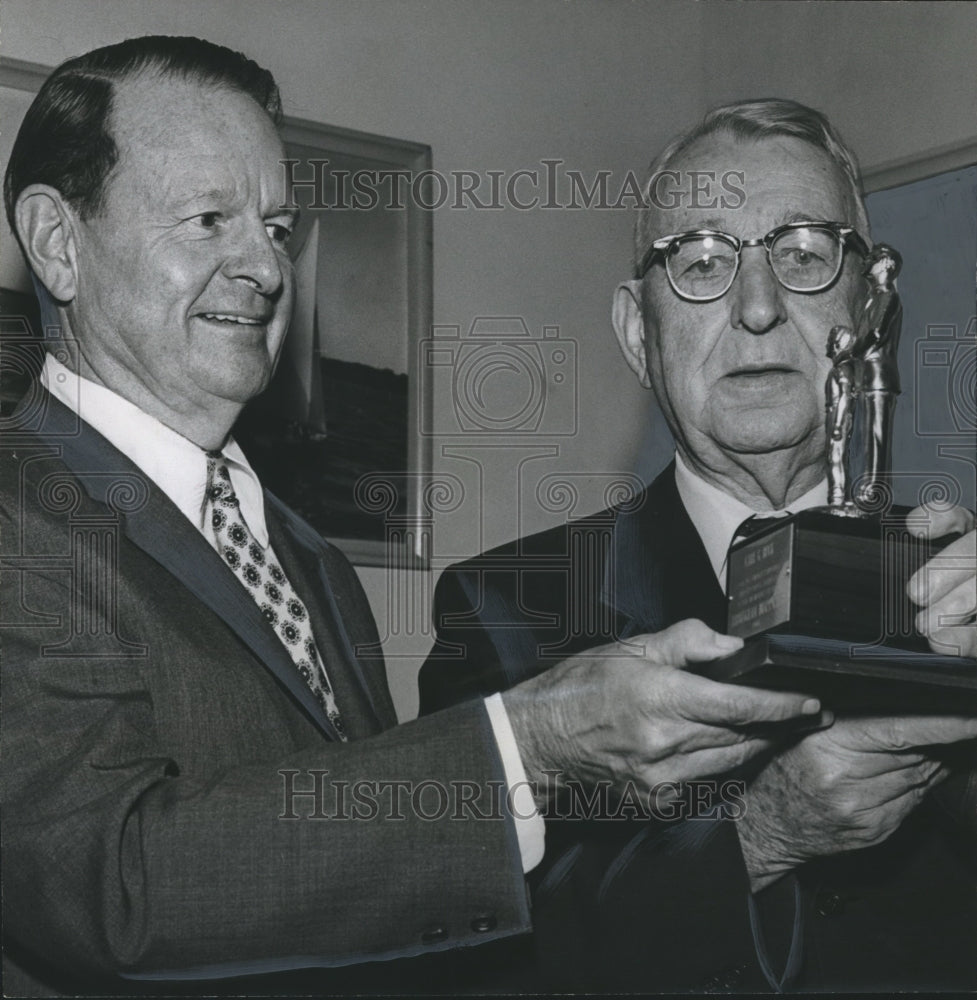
(702, 265)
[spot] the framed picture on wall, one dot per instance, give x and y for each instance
(335, 435)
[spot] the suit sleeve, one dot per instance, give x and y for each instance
(487, 639)
(464, 663)
(173, 816)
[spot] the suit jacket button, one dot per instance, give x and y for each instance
(484, 923)
(434, 934)
(830, 904)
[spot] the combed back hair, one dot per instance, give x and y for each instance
(66, 139)
(763, 118)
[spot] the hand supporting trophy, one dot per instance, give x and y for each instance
(864, 366)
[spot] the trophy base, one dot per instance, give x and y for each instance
(821, 601)
(854, 679)
(825, 572)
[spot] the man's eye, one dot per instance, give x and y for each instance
(207, 220)
(801, 257)
(708, 266)
(279, 234)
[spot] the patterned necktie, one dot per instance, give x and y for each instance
(267, 584)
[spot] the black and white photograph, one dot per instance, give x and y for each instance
(487, 497)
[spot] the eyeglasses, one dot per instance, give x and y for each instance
(804, 257)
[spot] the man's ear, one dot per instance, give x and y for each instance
(629, 325)
(45, 224)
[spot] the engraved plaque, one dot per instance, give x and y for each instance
(762, 568)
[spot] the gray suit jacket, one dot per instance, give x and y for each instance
(154, 726)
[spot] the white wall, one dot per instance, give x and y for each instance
(597, 85)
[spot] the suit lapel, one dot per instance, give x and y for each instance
(163, 533)
(659, 572)
(302, 553)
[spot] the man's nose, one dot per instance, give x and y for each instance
(257, 261)
(757, 298)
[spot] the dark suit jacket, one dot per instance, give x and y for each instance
(665, 906)
(149, 713)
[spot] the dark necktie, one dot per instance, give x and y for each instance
(754, 524)
(267, 584)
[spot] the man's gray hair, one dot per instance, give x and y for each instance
(756, 119)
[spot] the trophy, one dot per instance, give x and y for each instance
(820, 596)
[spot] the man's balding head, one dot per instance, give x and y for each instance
(66, 138)
(754, 119)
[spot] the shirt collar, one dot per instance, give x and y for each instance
(716, 515)
(174, 463)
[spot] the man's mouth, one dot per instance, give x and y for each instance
(762, 383)
(234, 318)
(752, 371)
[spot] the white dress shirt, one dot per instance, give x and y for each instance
(716, 515)
(179, 468)
(174, 463)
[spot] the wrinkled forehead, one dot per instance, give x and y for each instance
(161, 122)
(747, 187)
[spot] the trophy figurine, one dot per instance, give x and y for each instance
(864, 365)
(820, 596)
(840, 388)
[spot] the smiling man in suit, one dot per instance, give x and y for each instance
(727, 319)
(202, 779)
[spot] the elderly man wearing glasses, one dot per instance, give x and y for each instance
(839, 872)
